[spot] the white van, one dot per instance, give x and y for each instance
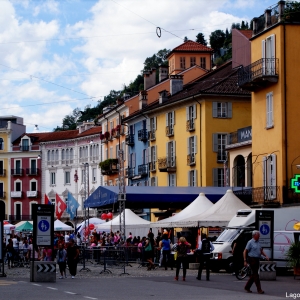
(243, 223)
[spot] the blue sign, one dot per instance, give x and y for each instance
(264, 229)
(44, 225)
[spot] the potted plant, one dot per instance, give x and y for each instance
(293, 257)
(107, 135)
(102, 136)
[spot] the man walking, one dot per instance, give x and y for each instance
(205, 248)
(254, 251)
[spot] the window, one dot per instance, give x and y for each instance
(192, 61)
(192, 178)
(203, 62)
(219, 143)
(111, 152)
(171, 179)
(1, 168)
(1, 144)
(33, 186)
(94, 174)
(18, 166)
(269, 110)
(152, 124)
(52, 178)
(18, 211)
(124, 149)
(18, 186)
(111, 125)
(182, 62)
(152, 158)
(25, 145)
(63, 156)
(222, 110)
(268, 55)
(132, 160)
(82, 175)
(1, 190)
(171, 158)
(269, 177)
(170, 122)
(218, 177)
(191, 116)
(145, 156)
(153, 181)
(33, 168)
(67, 177)
(117, 151)
(173, 64)
(191, 149)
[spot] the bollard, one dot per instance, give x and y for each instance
(267, 270)
(44, 271)
(194, 266)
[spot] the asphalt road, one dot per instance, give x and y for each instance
(221, 286)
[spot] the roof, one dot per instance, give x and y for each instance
(191, 46)
(246, 33)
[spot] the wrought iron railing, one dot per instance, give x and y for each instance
(152, 166)
(13, 218)
(169, 130)
(143, 135)
(18, 172)
(191, 159)
(129, 139)
(151, 135)
(131, 172)
(190, 125)
(2, 195)
(261, 68)
(32, 171)
(24, 148)
(266, 195)
(2, 172)
(143, 170)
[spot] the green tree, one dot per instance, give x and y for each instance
(217, 39)
(200, 39)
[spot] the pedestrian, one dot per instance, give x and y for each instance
(165, 245)
(47, 254)
(10, 252)
(61, 259)
(73, 257)
(149, 251)
(238, 247)
(205, 249)
(182, 249)
(254, 251)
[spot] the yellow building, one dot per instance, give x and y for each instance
(191, 128)
(11, 127)
(273, 79)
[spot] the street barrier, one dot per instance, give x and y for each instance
(267, 270)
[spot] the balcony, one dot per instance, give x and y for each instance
(32, 194)
(2, 195)
(152, 166)
(240, 137)
(266, 195)
(2, 172)
(131, 172)
(109, 166)
(14, 218)
(151, 135)
(24, 148)
(143, 170)
(142, 135)
(259, 74)
(167, 164)
(32, 171)
(169, 130)
(191, 159)
(190, 125)
(16, 172)
(129, 139)
(16, 194)
(221, 156)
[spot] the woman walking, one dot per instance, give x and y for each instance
(73, 257)
(165, 245)
(182, 248)
(61, 259)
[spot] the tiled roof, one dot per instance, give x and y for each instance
(246, 33)
(191, 46)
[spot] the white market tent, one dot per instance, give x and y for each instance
(133, 223)
(96, 221)
(200, 205)
(60, 226)
(219, 214)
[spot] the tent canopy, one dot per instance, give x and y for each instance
(60, 226)
(152, 196)
(200, 205)
(94, 221)
(219, 214)
(25, 227)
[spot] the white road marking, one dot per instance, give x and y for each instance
(51, 288)
(87, 297)
(70, 293)
(36, 284)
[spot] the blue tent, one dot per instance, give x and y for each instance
(152, 196)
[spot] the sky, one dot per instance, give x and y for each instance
(57, 55)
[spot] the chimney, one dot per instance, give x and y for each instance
(149, 78)
(163, 96)
(176, 84)
(142, 99)
(163, 73)
(267, 18)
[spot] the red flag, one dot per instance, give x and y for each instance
(60, 206)
(47, 201)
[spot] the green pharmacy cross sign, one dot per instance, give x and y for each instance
(295, 184)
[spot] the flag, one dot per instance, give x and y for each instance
(47, 201)
(60, 206)
(72, 206)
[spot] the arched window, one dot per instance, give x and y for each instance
(63, 156)
(56, 156)
(48, 155)
(67, 154)
(52, 155)
(71, 155)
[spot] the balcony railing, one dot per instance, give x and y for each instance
(167, 164)
(259, 74)
(2, 195)
(142, 135)
(191, 159)
(131, 172)
(109, 166)
(151, 135)
(17, 172)
(32, 171)
(169, 130)
(152, 166)
(32, 194)
(232, 138)
(13, 218)
(267, 195)
(129, 139)
(2, 172)
(24, 148)
(221, 156)
(16, 194)
(190, 125)
(143, 170)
